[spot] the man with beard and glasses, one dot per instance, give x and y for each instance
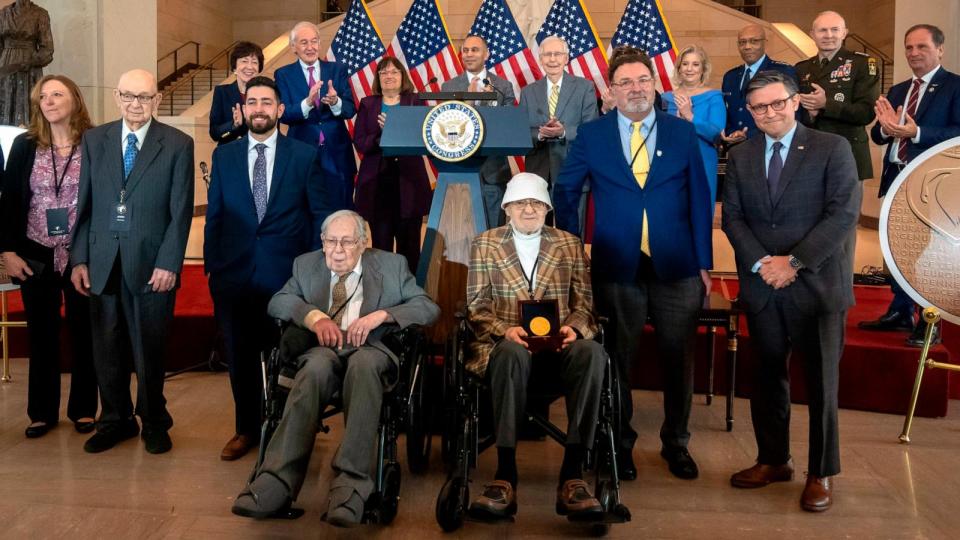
(652, 241)
(266, 202)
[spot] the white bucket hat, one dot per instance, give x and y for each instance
(526, 186)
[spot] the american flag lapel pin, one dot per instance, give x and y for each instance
(659, 153)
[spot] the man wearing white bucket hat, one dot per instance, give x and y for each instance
(526, 262)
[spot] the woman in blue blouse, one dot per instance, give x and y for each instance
(692, 100)
(226, 118)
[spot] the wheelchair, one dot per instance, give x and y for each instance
(404, 409)
(462, 438)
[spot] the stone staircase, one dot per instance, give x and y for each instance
(177, 97)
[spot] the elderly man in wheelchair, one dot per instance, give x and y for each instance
(530, 306)
(346, 299)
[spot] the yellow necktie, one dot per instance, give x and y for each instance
(641, 166)
(552, 100)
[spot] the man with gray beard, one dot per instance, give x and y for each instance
(652, 241)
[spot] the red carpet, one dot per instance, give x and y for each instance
(876, 373)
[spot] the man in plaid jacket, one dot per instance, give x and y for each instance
(525, 260)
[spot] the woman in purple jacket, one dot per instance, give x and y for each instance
(393, 193)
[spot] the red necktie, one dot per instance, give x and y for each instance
(310, 82)
(911, 111)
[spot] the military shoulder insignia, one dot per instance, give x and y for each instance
(872, 66)
(861, 53)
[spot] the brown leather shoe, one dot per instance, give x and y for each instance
(575, 501)
(237, 447)
(761, 475)
(817, 494)
(497, 501)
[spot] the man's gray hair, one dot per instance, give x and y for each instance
(554, 37)
(300, 25)
(768, 77)
(361, 225)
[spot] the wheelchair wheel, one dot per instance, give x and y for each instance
(390, 499)
(449, 397)
(418, 422)
(452, 504)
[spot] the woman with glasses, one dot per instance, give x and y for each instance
(226, 116)
(393, 193)
(693, 101)
(38, 211)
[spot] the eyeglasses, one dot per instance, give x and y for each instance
(346, 243)
(632, 83)
(778, 105)
(553, 54)
(751, 41)
(538, 206)
(127, 97)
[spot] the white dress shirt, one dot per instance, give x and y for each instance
(270, 154)
(306, 106)
(140, 133)
(925, 82)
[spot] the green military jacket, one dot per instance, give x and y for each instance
(851, 83)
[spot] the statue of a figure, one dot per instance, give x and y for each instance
(26, 45)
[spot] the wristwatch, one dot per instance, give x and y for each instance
(795, 263)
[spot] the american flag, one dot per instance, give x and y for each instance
(423, 45)
(569, 19)
(358, 46)
(510, 58)
(643, 26)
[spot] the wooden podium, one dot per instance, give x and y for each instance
(457, 211)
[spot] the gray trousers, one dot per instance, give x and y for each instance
(360, 376)
(674, 307)
(577, 370)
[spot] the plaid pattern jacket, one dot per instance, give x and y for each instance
(495, 282)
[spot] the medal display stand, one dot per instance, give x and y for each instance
(457, 211)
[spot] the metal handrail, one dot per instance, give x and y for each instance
(176, 55)
(208, 67)
(886, 63)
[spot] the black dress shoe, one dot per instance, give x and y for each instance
(156, 441)
(920, 332)
(34, 432)
(680, 463)
(891, 321)
(111, 436)
(84, 426)
(626, 469)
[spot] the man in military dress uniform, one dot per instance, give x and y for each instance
(752, 44)
(838, 88)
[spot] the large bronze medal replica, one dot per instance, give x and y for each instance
(920, 238)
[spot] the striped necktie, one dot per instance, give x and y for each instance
(553, 99)
(337, 306)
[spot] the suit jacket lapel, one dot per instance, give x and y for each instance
(566, 88)
(323, 287)
(112, 146)
(547, 262)
(614, 145)
(372, 281)
(795, 156)
(758, 170)
(663, 135)
(511, 270)
(930, 93)
(240, 158)
(279, 167)
(152, 144)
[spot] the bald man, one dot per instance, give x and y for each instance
(134, 211)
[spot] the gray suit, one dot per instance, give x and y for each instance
(495, 171)
(812, 216)
(129, 319)
(359, 375)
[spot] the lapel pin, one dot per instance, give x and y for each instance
(799, 148)
(659, 153)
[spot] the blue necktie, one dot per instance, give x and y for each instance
(745, 82)
(774, 170)
(260, 181)
(130, 154)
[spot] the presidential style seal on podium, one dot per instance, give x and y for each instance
(920, 239)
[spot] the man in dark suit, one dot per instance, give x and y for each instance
(265, 205)
(133, 216)
(752, 44)
(317, 103)
(350, 298)
(790, 199)
(652, 243)
(556, 105)
(495, 171)
(916, 115)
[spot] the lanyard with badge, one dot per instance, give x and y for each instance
(120, 222)
(58, 223)
(643, 143)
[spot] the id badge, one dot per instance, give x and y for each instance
(121, 218)
(57, 222)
